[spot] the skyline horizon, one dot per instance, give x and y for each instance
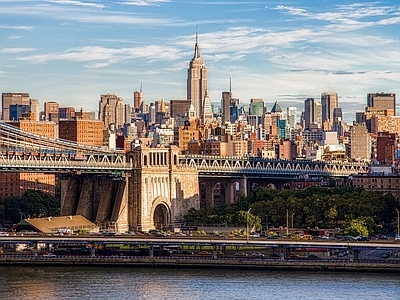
(72, 51)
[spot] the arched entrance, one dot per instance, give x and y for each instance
(162, 217)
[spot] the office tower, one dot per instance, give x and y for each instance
(51, 111)
(178, 107)
(312, 113)
(17, 111)
(208, 114)
(360, 142)
(138, 99)
(35, 109)
(226, 103)
(277, 110)
(382, 101)
(66, 113)
(257, 107)
(82, 131)
(386, 148)
(197, 83)
(8, 99)
(128, 114)
(329, 102)
(291, 116)
(111, 110)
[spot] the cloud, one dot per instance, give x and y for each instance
(16, 27)
(17, 50)
(76, 3)
(144, 2)
(100, 57)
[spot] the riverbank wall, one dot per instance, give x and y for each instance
(218, 263)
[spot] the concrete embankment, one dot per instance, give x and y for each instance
(220, 263)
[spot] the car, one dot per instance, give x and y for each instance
(343, 253)
(241, 254)
(361, 238)
(383, 237)
(187, 252)
(129, 233)
(397, 237)
(313, 256)
(2, 233)
(205, 253)
(49, 255)
(323, 237)
(294, 255)
(257, 254)
(274, 255)
(385, 255)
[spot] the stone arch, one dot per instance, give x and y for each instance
(145, 160)
(161, 214)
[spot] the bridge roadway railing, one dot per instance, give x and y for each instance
(207, 165)
(60, 166)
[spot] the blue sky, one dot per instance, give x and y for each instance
(71, 51)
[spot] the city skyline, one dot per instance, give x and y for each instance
(73, 51)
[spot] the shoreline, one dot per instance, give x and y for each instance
(210, 263)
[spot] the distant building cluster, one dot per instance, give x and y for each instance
(198, 127)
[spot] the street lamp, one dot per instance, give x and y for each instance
(398, 222)
(247, 233)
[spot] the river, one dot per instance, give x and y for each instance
(192, 284)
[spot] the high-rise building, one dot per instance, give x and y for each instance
(386, 148)
(51, 111)
(312, 113)
(82, 131)
(66, 113)
(111, 110)
(329, 102)
(226, 103)
(257, 107)
(8, 99)
(138, 99)
(291, 116)
(382, 101)
(197, 84)
(35, 109)
(360, 143)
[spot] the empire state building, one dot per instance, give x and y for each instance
(197, 84)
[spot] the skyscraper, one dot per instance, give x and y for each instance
(291, 116)
(197, 84)
(312, 113)
(111, 110)
(382, 101)
(10, 99)
(329, 102)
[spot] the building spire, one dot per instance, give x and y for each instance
(196, 46)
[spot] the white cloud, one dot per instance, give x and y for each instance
(77, 3)
(17, 50)
(144, 2)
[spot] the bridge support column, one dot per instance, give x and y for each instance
(209, 187)
(243, 186)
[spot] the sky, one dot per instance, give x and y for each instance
(72, 51)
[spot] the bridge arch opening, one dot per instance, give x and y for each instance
(162, 216)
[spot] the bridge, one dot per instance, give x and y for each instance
(149, 187)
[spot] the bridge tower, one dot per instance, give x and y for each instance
(161, 190)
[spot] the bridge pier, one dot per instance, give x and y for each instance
(100, 199)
